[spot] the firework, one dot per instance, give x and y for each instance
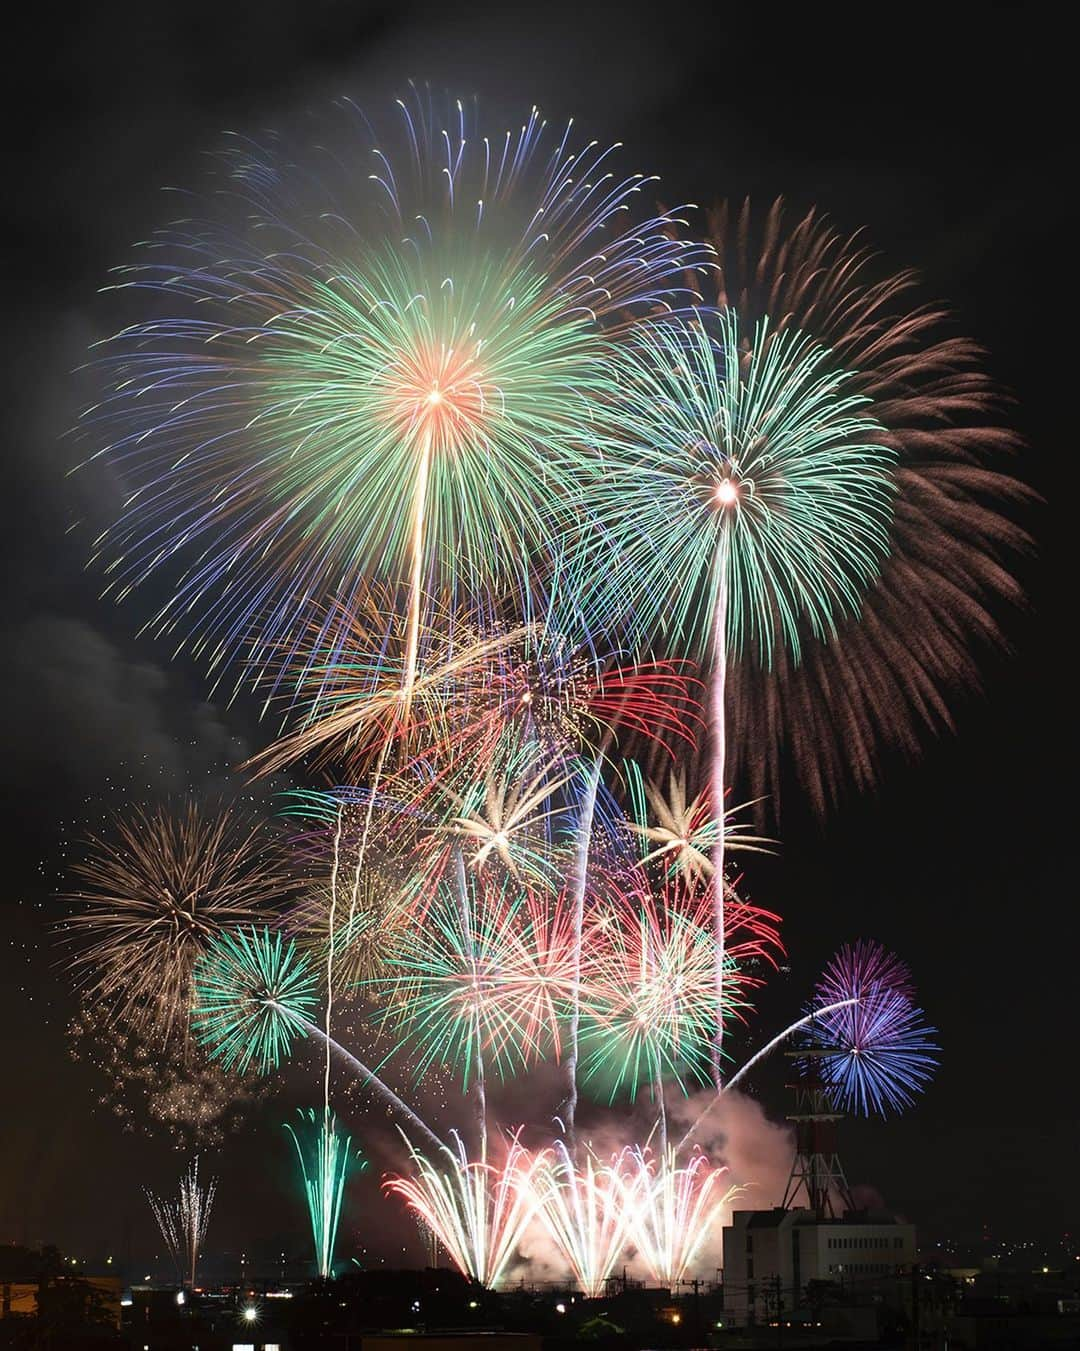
(371, 1080)
(749, 497)
(480, 982)
(676, 1208)
(685, 832)
(253, 994)
(324, 1152)
(648, 983)
(733, 1080)
(355, 857)
(944, 586)
(506, 813)
(575, 699)
(648, 996)
(748, 502)
(183, 1222)
(587, 1212)
(884, 1052)
(377, 361)
(478, 1212)
(154, 898)
(350, 693)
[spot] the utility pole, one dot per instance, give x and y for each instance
(916, 1336)
(779, 1309)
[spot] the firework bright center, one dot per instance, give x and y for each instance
(439, 392)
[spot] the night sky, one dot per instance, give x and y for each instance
(946, 143)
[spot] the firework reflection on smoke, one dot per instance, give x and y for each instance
(183, 1222)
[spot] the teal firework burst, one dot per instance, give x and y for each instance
(254, 992)
(745, 491)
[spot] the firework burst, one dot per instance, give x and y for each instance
(254, 993)
(381, 368)
(884, 1050)
(153, 899)
(747, 498)
(684, 832)
(885, 676)
(648, 995)
(481, 981)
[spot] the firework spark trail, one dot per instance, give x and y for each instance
(183, 1222)
(416, 578)
(328, 1138)
(718, 718)
(759, 1055)
(580, 880)
(660, 682)
(384, 1091)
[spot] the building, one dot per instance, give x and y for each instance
(815, 1250)
(778, 1263)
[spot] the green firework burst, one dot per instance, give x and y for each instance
(254, 992)
(741, 472)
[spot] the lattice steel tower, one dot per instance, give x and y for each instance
(817, 1169)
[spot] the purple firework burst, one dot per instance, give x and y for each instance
(885, 1053)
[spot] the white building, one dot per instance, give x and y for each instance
(771, 1256)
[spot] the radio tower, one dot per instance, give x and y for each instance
(817, 1169)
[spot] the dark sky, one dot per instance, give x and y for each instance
(944, 138)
